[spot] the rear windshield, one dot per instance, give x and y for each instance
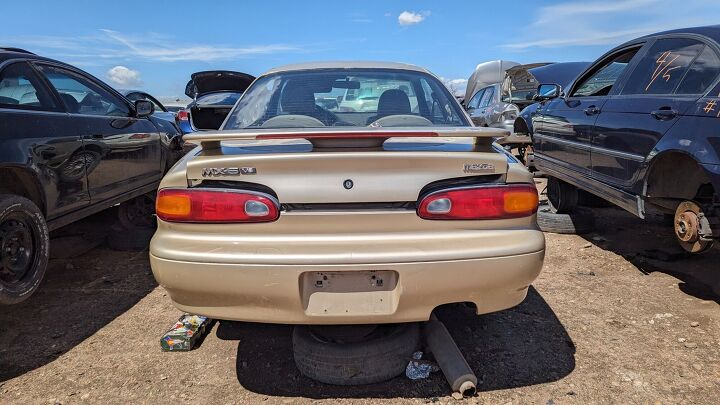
(223, 98)
(346, 97)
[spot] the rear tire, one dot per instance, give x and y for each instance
(137, 213)
(24, 248)
(562, 196)
(580, 221)
(382, 355)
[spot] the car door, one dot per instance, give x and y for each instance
(566, 123)
(124, 150)
(473, 104)
(483, 110)
(651, 101)
(36, 133)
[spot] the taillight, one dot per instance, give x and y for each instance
(487, 202)
(182, 115)
(215, 206)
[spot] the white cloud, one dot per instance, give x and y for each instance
(456, 86)
(112, 45)
(124, 77)
(610, 22)
(411, 18)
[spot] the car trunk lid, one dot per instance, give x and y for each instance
(327, 166)
(217, 80)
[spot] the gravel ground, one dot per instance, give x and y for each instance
(609, 320)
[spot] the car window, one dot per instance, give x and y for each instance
(603, 78)
(487, 97)
(663, 66)
(345, 97)
(475, 100)
(20, 88)
(702, 74)
(82, 96)
(220, 98)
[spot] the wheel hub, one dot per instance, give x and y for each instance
(686, 226)
(692, 228)
(16, 249)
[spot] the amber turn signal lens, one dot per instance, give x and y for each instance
(173, 205)
(521, 201)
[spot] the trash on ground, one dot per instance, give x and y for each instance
(185, 334)
(418, 369)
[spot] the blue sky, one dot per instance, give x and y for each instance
(156, 45)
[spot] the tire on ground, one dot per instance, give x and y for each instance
(365, 362)
(562, 196)
(17, 215)
(580, 221)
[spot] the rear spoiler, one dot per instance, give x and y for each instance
(338, 137)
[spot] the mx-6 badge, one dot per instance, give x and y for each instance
(227, 171)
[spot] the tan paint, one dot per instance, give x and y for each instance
(265, 272)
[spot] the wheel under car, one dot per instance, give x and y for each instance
(562, 196)
(354, 354)
(561, 213)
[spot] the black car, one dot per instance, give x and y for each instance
(214, 94)
(70, 146)
(640, 128)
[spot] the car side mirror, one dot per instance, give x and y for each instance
(144, 108)
(547, 91)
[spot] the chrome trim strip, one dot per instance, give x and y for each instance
(592, 148)
(629, 202)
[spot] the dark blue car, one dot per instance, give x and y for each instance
(640, 128)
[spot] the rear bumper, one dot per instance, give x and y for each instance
(287, 293)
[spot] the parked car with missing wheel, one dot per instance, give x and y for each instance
(70, 146)
(639, 128)
(295, 213)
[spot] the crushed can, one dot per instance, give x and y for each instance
(185, 334)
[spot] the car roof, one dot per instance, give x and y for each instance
(17, 53)
(709, 31)
(345, 65)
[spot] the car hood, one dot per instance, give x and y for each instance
(560, 73)
(217, 80)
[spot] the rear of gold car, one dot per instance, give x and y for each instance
(271, 229)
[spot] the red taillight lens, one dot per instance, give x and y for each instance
(215, 206)
(491, 202)
(182, 115)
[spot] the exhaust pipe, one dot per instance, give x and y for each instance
(451, 361)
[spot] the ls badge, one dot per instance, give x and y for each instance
(227, 171)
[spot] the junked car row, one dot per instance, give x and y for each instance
(359, 193)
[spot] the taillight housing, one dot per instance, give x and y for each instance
(482, 202)
(215, 206)
(182, 115)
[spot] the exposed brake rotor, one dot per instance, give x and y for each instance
(692, 228)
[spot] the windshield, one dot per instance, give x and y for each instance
(346, 97)
(223, 98)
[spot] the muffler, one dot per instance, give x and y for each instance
(448, 356)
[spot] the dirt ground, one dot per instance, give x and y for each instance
(617, 316)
